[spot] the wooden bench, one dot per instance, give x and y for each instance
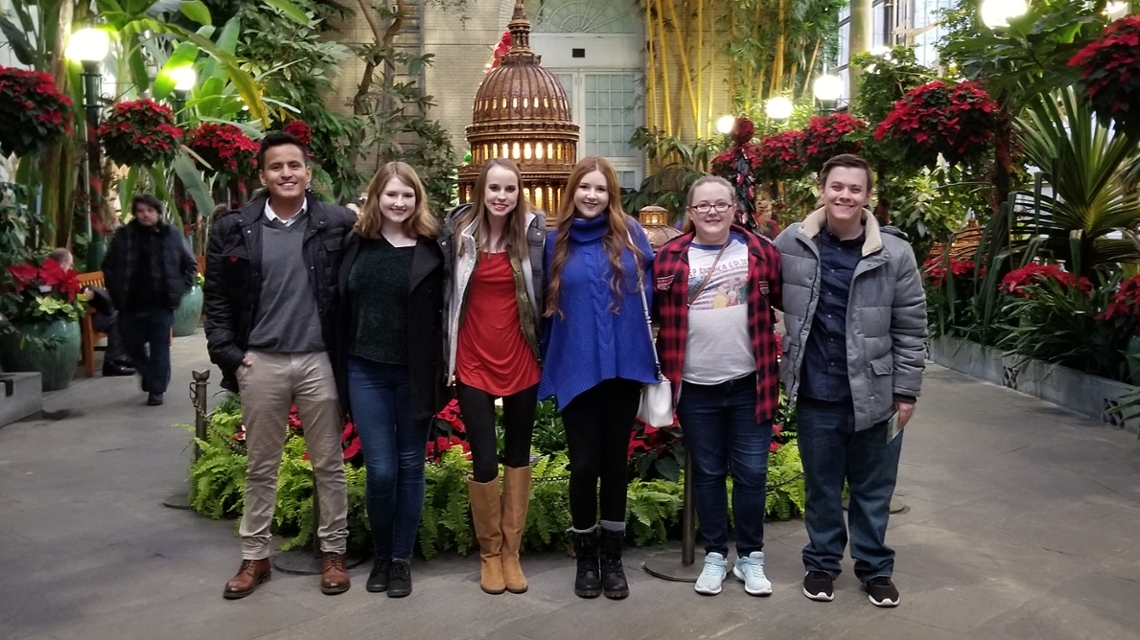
(88, 336)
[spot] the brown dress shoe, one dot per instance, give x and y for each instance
(334, 577)
(251, 574)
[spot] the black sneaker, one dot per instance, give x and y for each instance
(378, 579)
(399, 579)
(154, 399)
(881, 591)
(818, 585)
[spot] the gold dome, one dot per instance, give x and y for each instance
(521, 112)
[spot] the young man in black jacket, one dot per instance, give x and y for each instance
(270, 294)
(148, 268)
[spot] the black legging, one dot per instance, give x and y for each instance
(478, 410)
(598, 423)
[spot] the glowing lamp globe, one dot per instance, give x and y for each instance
(779, 108)
(724, 124)
(827, 88)
(88, 45)
(183, 77)
(997, 13)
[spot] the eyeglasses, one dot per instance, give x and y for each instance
(704, 208)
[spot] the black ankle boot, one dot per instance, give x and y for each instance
(613, 575)
(587, 583)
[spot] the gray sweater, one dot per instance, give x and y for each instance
(287, 319)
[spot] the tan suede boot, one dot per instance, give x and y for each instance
(485, 512)
(516, 499)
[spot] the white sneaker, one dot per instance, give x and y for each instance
(750, 570)
(716, 568)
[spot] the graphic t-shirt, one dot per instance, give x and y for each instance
(718, 347)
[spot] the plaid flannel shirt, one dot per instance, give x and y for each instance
(670, 303)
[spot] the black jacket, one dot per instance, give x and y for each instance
(425, 327)
(172, 271)
(233, 278)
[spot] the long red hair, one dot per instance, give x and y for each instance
(616, 238)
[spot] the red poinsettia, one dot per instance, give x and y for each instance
(936, 271)
(33, 111)
(300, 130)
(140, 133)
(41, 291)
(349, 437)
(780, 156)
(1110, 68)
(500, 51)
(828, 136)
(956, 121)
(1017, 280)
(225, 148)
(1124, 306)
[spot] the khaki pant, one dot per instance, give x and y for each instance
(269, 386)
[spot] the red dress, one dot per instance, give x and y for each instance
(492, 354)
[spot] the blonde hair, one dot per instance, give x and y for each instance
(616, 238)
(421, 224)
(514, 234)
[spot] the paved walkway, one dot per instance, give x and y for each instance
(1023, 521)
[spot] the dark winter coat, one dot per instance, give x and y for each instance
(172, 268)
(233, 277)
(425, 326)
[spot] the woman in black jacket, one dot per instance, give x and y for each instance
(390, 360)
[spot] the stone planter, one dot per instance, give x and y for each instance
(1077, 391)
(188, 313)
(53, 351)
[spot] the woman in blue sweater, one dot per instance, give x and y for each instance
(597, 354)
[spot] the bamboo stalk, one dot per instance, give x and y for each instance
(778, 61)
(666, 98)
(811, 65)
(650, 73)
(687, 71)
(700, 67)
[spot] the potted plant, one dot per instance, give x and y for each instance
(42, 302)
(954, 120)
(189, 311)
(140, 133)
(828, 136)
(229, 155)
(1123, 312)
(34, 112)
(1110, 69)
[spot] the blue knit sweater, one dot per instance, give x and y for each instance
(590, 342)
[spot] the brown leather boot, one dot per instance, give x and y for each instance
(251, 574)
(485, 512)
(516, 499)
(334, 577)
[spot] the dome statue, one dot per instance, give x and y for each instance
(521, 112)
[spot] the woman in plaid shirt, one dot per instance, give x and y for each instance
(715, 288)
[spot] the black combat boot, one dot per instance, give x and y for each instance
(587, 583)
(613, 575)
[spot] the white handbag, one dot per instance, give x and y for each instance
(656, 406)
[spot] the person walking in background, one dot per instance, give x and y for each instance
(148, 268)
(720, 356)
(116, 362)
(494, 250)
(855, 314)
(597, 354)
(390, 363)
(271, 302)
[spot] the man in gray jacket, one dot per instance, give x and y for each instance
(855, 314)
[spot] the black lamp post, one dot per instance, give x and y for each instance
(90, 46)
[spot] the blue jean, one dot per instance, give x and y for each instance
(394, 443)
(722, 437)
(146, 337)
(832, 451)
